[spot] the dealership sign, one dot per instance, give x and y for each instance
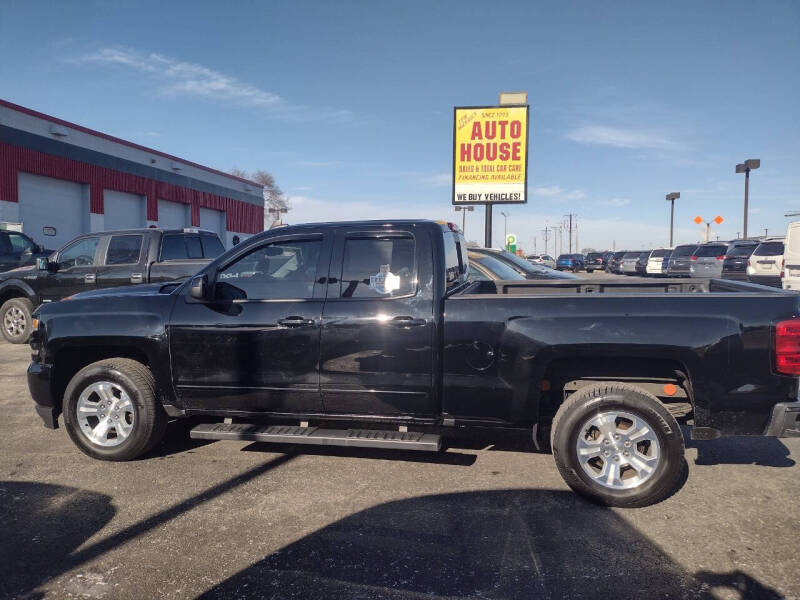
(490, 155)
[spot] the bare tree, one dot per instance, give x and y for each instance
(273, 194)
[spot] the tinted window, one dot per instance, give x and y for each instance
(769, 249)
(564, 256)
(193, 246)
(20, 243)
(659, 253)
(79, 254)
(683, 251)
(498, 268)
(212, 247)
(741, 251)
(476, 275)
(708, 251)
(453, 259)
(593, 255)
(124, 249)
(173, 247)
(631, 255)
(618, 255)
(378, 267)
(280, 270)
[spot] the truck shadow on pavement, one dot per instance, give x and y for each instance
(492, 544)
(743, 450)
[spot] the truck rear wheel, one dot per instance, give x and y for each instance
(112, 410)
(15, 319)
(617, 445)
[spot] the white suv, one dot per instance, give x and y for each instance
(766, 263)
(658, 261)
(542, 259)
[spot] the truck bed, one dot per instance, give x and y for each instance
(545, 287)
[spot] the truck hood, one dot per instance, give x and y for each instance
(18, 272)
(148, 289)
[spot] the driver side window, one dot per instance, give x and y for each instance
(79, 254)
(20, 243)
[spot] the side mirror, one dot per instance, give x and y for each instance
(198, 289)
(42, 264)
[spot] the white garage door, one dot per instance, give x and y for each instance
(46, 202)
(213, 220)
(173, 215)
(124, 211)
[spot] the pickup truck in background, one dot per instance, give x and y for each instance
(371, 334)
(101, 260)
(18, 250)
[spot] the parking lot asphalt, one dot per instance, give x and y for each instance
(242, 520)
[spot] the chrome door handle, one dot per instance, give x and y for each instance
(136, 278)
(406, 322)
(89, 278)
(295, 322)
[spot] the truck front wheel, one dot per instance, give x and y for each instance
(112, 411)
(617, 445)
(15, 317)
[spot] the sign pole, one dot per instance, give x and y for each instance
(487, 241)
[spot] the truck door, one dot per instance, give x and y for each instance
(122, 261)
(378, 324)
(255, 346)
(75, 271)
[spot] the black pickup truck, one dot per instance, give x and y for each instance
(371, 334)
(18, 250)
(101, 260)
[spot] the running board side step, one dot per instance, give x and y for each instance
(290, 434)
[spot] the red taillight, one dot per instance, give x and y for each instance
(721, 257)
(693, 258)
(787, 347)
(748, 262)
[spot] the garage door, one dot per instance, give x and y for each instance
(173, 215)
(124, 211)
(52, 203)
(213, 220)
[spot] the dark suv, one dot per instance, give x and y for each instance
(18, 250)
(681, 260)
(734, 266)
(596, 261)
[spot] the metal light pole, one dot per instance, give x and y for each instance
(276, 213)
(749, 165)
(671, 199)
(464, 210)
(505, 228)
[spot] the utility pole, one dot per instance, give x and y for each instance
(577, 245)
(570, 215)
(766, 233)
(671, 199)
(505, 229)
(745, 167)
(546, 233)
(534, 244)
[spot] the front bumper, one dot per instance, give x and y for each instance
(785, 421)
(40, 387)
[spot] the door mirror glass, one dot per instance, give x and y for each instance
(199, 287)
(42, 264)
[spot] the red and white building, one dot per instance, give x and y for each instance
(62, 179)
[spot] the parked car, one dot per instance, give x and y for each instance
(524, 267)
(790, 275)
(766, 263)
(680, 261)
(627, 266)
(707, 260)
(483, 267)
(570, 262)
(370, 334)
(543, 259)
(100, 260)
(614, 261)
(734, 266)
(658, 262)
(641, 263)
(18, 250)
(596, 261)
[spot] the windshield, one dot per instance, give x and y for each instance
(631, 255)
(495, 266)
(769, 249)
(565, 257)
(741, 251)
(684, 251)
(618, 255)
(594, 255)
(659, 253)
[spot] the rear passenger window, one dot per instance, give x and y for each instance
(378, 267)
(124, 249)
(173, 248)
(193, 246)
(212, 247)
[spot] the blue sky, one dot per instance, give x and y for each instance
(349, 104)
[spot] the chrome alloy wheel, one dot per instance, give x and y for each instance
(618, 450)
(105, 414)
(14, 321)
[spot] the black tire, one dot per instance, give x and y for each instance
(11, 327)
(590, 270)
(595, 399)
(137, 381)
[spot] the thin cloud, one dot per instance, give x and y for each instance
(601, 135)
(179, 78)
(439, 180)
(556, 192)
(615, 202)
